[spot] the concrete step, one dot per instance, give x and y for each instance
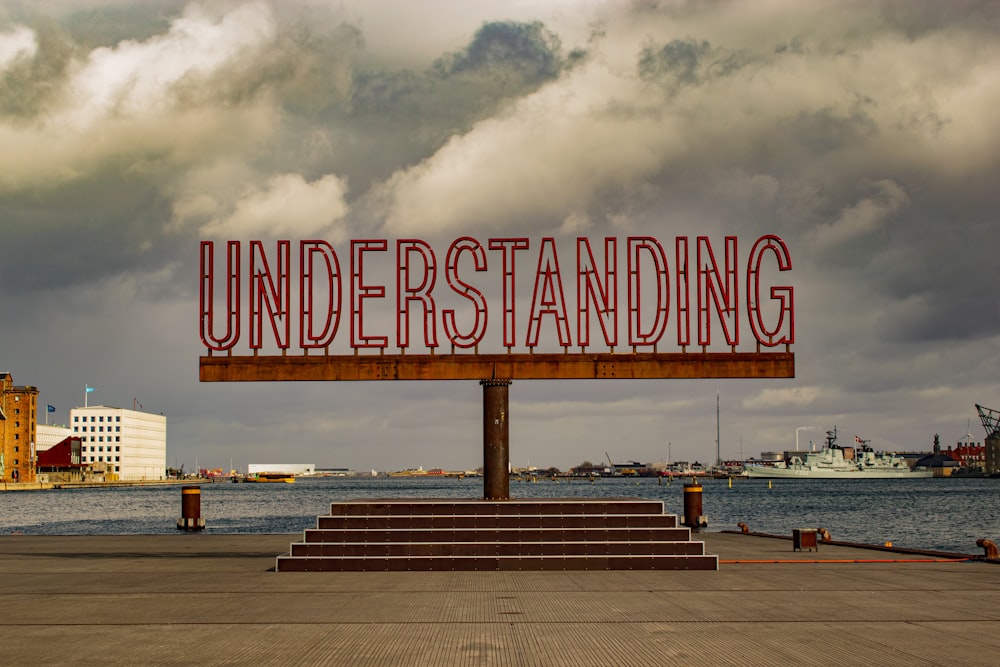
(463, 549)
(467, 534)
(461, 506)
(493, 563)
(522, 521)
(513, 534)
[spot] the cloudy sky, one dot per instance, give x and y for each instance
(865, 134)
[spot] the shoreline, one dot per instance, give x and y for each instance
(48, 486)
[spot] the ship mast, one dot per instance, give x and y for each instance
(718, 439)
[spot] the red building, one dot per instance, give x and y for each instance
(63, 461)
(968, 455)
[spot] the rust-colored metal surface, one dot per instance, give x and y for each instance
(516, 366)
(496, 439)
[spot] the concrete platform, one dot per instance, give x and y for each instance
(203, 599)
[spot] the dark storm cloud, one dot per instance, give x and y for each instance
(687, 62)
(528, 51)
(403, 116)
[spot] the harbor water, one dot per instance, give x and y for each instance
(939, 514)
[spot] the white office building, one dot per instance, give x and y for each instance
(47, 437)
(131, 444)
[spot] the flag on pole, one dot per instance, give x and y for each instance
(90, 389)
(50, 408)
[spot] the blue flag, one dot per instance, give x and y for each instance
(50, 408)
(90, 389)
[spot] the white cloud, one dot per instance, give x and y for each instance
(138, 77)
(553, 152)
(16, 44)
(153, 104)
(287, 206)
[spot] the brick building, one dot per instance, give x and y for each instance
(970, 455)
(17, 431)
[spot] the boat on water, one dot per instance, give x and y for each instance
(271, 477)
(836, 462)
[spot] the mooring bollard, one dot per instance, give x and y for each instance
(693, 517)
(190, 509)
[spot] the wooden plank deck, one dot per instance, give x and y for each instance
(207, 599)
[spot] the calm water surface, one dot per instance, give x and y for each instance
(945, 514)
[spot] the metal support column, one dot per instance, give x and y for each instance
(496, 439)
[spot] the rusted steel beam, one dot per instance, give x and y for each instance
(517, 366)
(496, 439)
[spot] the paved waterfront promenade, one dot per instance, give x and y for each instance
(202, 599)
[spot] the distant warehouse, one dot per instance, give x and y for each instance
(285, 468)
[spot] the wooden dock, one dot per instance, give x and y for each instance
(203, 599)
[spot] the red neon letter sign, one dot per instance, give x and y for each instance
(460, 287)
(264, 293)
(208, 337)
(636, 336)
(588, 287)
(783, 295)
(407, 292)
(724, 298)
(360, 292)
(683, 293)
(508, 247)
(308, 250)
(548, 285)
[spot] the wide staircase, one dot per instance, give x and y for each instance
(480, 535)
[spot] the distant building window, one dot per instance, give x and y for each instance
(118, 429)
(118, 418)
(17, 436)
(118, 438)
(117, 468)
(92, 429)
(93, 418)
(76, 418)
(16, 448)
(117, 458)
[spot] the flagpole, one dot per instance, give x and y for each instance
(85, 393)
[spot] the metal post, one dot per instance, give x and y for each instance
(496, 439)
(693, 518)
(191, 518)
